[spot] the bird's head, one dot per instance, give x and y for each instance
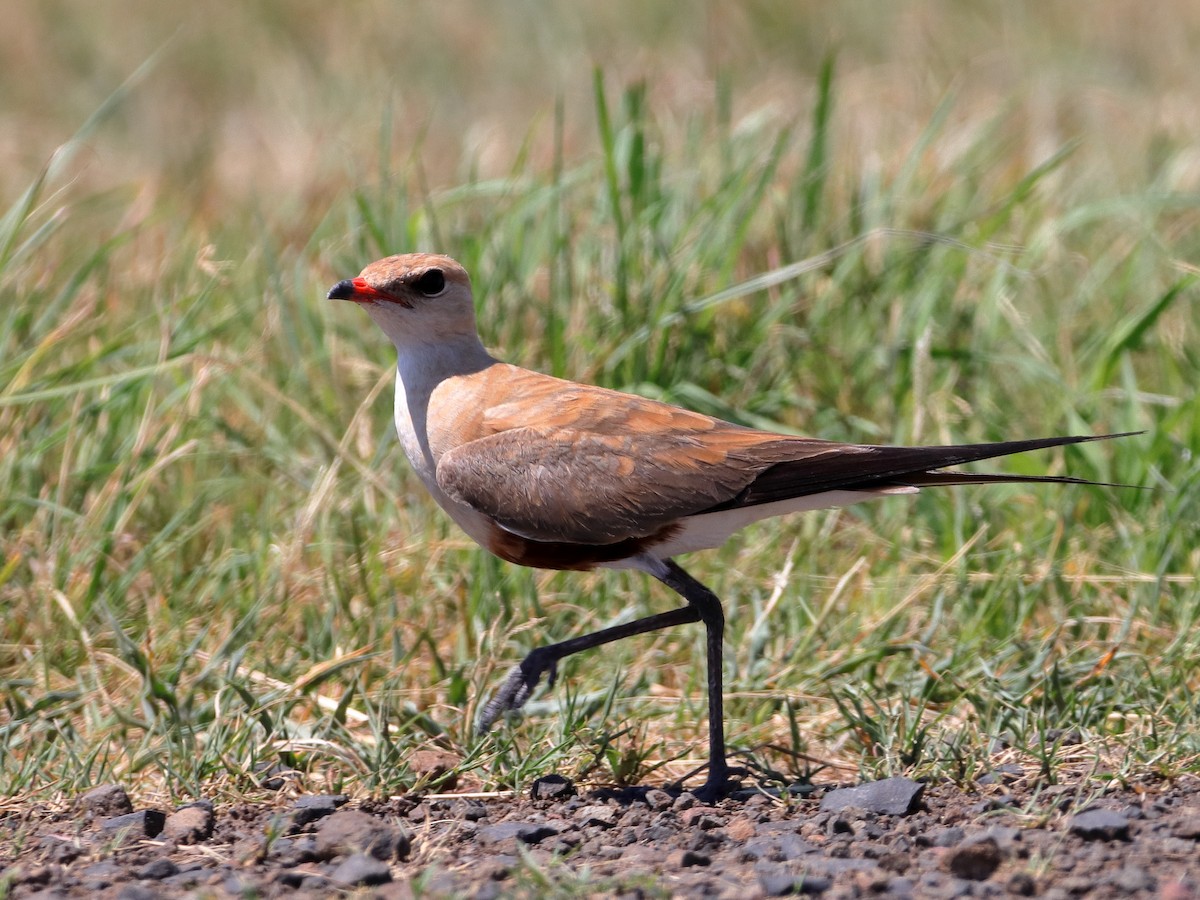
(415, 298)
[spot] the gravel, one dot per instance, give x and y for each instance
(896, 838)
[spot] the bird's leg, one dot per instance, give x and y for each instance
(523, 678)
(702, 606)
(708, 609)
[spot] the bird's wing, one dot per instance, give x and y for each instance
(579, 464)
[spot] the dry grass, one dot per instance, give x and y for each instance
(214, 561)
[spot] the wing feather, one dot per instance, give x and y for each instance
(600, 467)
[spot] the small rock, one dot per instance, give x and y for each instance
(237, 884)
(1132, 880)
(1022, 884)
(157, 869)
(1005, 836)
(700, 817)
(36, 875)
(435, 765)
(596, 815)
(361, 869)
(59, 849)
(309, 809)
(1065, 737)
(352, 831)
(1080, 885)
(1100, 825)
(1188, 827)
(892, 796)
(658, 799)
(894, 862)
(741, 829)
(275, 776)
(100, 875)
(472, 810)
(778, 882)
(137, 892)
(974, 860)
(107, 800)
(1005, 773)
(525, 832)
(686, 800)
(552, 787)
(949, 837)
(289, 878)
(419, 813)
(189, 825)
(792, 846)
(842, 823)
(683, 859)
(322, 803)
(143, 823)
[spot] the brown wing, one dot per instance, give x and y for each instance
(569, 462)
(572, 463)
(600, 488)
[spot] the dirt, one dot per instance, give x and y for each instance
(1013, 836)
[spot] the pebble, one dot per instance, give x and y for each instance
(525, 832)
(471, 810)
(683, 859)
(1188, 827)
(1132, 879)
(1100, 825)
(137, 892)
(309, 809)
(740, 829)
(435, 765)
(657, 799)
(100, 875)
(700, 817)
(189, 825)
(552, 787)
(596, 815)
(143, 823)
(157, 869)
(974, 860)
(107, 800)
(1022, 884)
(352, 831)
(778, 882)
(361, 869)
(891, 796)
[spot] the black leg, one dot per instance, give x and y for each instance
(702, 606)
(708, 606)
(523, 678)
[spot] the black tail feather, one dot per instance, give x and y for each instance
(873, 467)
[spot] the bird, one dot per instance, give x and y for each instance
(555, 474)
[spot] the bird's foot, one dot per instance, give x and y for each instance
(721, 782)
(517, 688)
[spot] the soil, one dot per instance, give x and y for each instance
(895, 838)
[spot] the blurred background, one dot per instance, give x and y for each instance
(212, 549)
(285, 104)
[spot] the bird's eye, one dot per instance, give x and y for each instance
(431, 283)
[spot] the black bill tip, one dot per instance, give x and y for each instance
(343, 290)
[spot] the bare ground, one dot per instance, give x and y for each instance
(1013, 836)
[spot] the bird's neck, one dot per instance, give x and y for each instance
(420, 370)
(421, 367)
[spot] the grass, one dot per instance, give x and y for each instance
(216, 565)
